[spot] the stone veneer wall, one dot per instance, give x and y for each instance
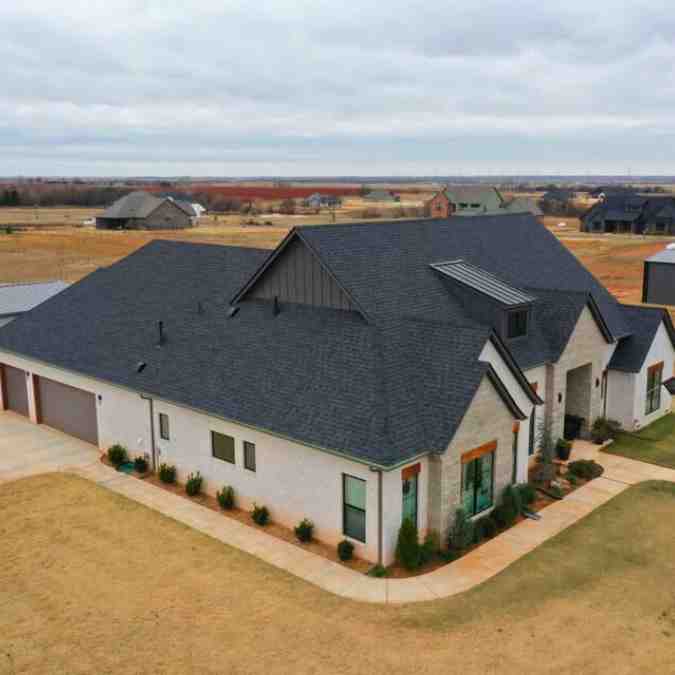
(487, 419)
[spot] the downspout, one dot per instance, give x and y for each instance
(379, 514)
(152, 430)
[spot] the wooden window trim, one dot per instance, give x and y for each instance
(656, 366)
(410, 471)
(479, 452)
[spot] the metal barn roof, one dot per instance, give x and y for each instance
(483, 282)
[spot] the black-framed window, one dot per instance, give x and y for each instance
(249, 456)
(164, 427)
(409, 505)
(532, 439)
(354, 507)
(222, 447)
(478, 484)
(654, 378)
(516, 323)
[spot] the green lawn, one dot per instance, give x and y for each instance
(91, 582)
(654, 444)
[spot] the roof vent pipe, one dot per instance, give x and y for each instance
(162, 338)
(276, 309)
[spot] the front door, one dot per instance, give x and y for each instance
(410, 499)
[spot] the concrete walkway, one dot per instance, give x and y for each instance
(26, 449)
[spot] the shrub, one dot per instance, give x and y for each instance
(408, 547)
(585, 468)
(304, 530)
(512, 494)
(571, 478)
(377, 571)
(461, 533)
(117, 454)
(193, 484)
(260, 515)
(505, 515)
(604, 429)
(556, 491)
(345, 550)
(226, 497)
(450, 554)
(167, 473)
(140, 464)
(430, 547)
(485, 528)
(563, 449)
(528, 493)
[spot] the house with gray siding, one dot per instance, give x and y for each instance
(143, 211)
(357, 375)
(631, 213)
(658, 280)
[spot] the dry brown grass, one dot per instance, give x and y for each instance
(91, 582)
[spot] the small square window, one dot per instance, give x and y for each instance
(516, 323)
(222, 447)
(164, 427)
(249, 456)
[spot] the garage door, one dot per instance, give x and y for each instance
(15, 389)
(67, 409)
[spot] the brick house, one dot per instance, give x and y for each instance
(439, 206)
(357, 375)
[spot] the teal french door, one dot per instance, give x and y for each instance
(477, 484)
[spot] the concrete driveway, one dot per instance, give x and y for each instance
(27, 449)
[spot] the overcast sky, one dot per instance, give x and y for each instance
(295, 87)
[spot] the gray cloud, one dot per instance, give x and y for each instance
(312, 87)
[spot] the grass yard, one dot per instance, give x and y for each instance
(654, 444)
(91, 582)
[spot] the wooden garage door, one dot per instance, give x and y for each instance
(15, 388)
(67, 409)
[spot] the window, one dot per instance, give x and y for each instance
(354, 507)
(654, 377)
(514, 470)
(463, 205)
(477, 480)
(249, 456)
(409, 509)
(475, 206)
(222, 447)
(164, 427)
(516, 323)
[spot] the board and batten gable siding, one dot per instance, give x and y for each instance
(298, 276)
(167, 216)
(486, 420)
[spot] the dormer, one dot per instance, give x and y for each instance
(489, 299)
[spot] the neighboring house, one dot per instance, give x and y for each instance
(381, 196)
(439, 206)
(143, 211)
(475, 200)
(629, 212)
(356, 376)
(557, 201)
(658, 279)
(16, 299)
(522, 205)
(317, 200)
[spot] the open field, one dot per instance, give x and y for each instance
(91, 582)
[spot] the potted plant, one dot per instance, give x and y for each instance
(563, 449)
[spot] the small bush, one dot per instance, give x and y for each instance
(585, 468)
(604, 429)
(556, 491)
(117, 454)
(450, 554)
(377, 571)
(226, 497)
(140, 464)
(571, 479)
(528, 493)
(485, 528)
(304, 530)
(260, 515)
(563, 449)
(408, 547)
(461, 533)
(430, 547)
(345, 550)
(512, 494)
(167, 473)
(193, 484)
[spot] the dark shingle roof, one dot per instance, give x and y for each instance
(631, 352)
(322, 376)
(134, 205)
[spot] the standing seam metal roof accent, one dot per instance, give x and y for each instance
(483, 282)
